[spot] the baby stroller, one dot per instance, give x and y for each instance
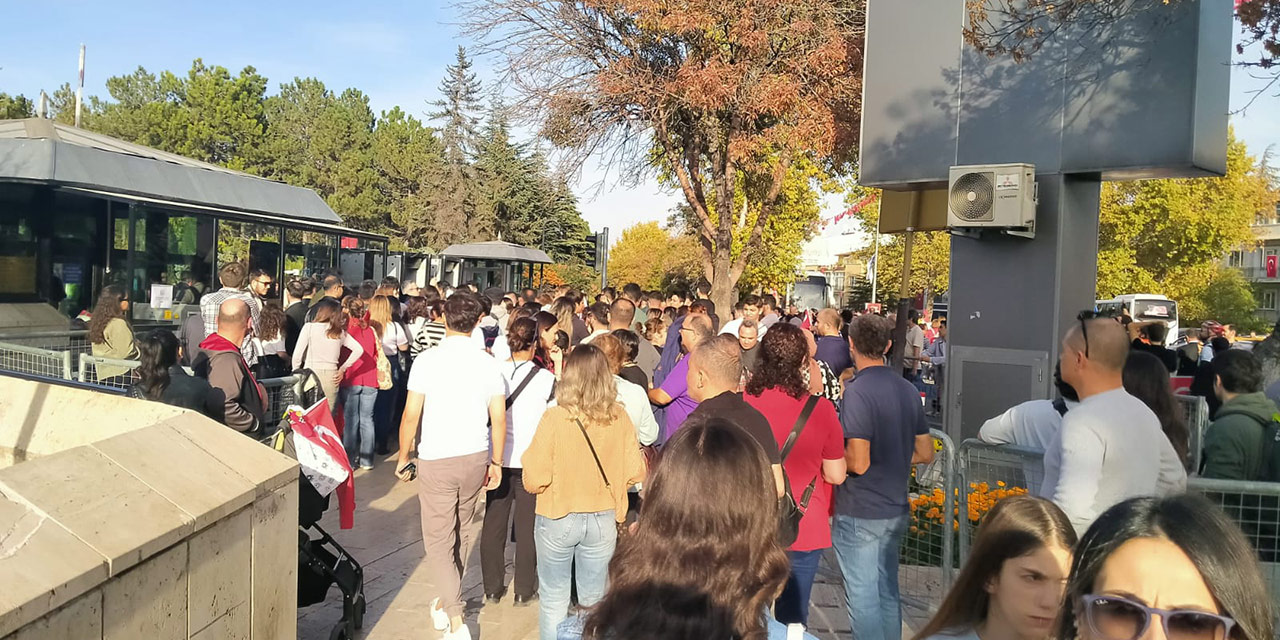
(322, 562)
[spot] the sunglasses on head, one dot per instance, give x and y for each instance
(1084, 317)
(1116, 618)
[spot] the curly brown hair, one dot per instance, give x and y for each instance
(783, 354)
(271, 322)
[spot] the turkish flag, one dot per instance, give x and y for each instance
(1272, 262)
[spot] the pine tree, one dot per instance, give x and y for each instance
(454, 217)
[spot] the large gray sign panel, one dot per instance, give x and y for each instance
(1141, 97)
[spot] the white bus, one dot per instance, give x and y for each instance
(1145, 307)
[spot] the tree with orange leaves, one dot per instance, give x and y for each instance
(725, 95)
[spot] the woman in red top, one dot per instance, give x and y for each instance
(359, 388)
(777, 389)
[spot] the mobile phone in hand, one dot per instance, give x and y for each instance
(410, 469)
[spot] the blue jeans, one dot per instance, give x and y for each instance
(867, 550)
(357, 429)
(793, 604)
(587, 539)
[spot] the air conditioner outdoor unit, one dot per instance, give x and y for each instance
(1001, 197)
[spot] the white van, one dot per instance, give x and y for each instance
(1145, 307)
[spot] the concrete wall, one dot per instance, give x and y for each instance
(152, 523)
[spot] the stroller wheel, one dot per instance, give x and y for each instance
(339, 632)
(357, 611)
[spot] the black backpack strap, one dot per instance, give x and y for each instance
(511, 399)
(800, 422)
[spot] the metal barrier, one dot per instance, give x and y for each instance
(281, 392)
(988, 473)
(1255, 506)
(1196, 412)
(927, 555)
(35, 361)
(89, 366)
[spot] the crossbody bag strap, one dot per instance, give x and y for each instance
(799, 426)
(593, 453)
(511, 399)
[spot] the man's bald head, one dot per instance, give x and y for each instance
(829, 322)
(233, 312)
(1107, 344)
(622, 313)
(233, 320)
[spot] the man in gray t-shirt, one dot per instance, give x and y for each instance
(883, 422)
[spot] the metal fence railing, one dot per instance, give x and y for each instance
(35, 361)
(927, 555)
(1196, 412)
(1255, 506)
(107, 372)
(989, 473)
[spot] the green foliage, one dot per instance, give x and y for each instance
(773, 264)
(652, 257)
(390, 173)
(16, 107)
(930, 253)
(1168, 237)
(523, 201)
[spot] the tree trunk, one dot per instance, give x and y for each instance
(723, 285)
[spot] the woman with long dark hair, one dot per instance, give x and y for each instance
(814, 464)
(1176, 562)
(704, 560)
(162, 379)
(529, 388)
(1147, 379)
(268, 340)
(581, 461)
(1011, 584)
(109, 332)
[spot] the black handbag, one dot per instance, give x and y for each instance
(789, 511)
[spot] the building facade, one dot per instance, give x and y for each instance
(1261, 265)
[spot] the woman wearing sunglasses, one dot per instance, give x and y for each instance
(1011, 585)
(1165, 569)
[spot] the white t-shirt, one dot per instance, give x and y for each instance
(915, 340)
(526, 412)
(636, 403)
(731, 328)
(1110, 448)
(457, 381)
(1033, 424)
(393, 338)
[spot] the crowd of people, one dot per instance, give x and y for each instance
(664, 474)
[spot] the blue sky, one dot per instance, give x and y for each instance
(394, 51)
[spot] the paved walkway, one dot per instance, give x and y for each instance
(387, 539)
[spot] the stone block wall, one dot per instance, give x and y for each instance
(168, 529)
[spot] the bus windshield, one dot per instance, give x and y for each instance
(1155, 310)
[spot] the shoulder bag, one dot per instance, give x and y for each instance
(511, 399)
(622, 527)
(789, 511)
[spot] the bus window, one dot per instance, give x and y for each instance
(1155, 310)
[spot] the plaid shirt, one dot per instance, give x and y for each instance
(209, 306)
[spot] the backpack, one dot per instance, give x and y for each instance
(1270, 470)
(789, 511)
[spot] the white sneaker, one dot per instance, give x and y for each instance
(440, 619)
(463, 633)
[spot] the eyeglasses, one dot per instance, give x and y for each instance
(1116, 618)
